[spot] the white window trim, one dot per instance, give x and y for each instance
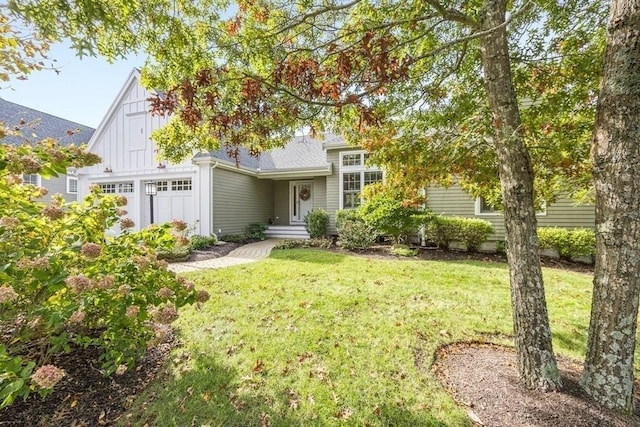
(477, 212)
(362, 168)
(69, 179)
(38, 179)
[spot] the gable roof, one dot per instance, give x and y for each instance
(35, 125)
(134, 77)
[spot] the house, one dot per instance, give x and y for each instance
(215, 195)
(34, 126)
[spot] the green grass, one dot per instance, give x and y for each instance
(315, 338)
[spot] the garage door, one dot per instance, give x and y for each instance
(174, 201)
(125, 189)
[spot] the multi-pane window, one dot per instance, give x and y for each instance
(352, 159)
(108, 188)
(162, 185)
(181, 185)
(72, 185)
(350, 190)
(31, 178)
(355, 175)
(125, 187)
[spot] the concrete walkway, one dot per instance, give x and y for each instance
(242, 255)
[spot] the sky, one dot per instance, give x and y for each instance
(82, 92)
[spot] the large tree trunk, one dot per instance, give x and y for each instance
(536, 360)
(608, 369)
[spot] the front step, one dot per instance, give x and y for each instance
(287, 232)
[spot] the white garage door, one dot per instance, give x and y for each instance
(174, 201)
(125, 189)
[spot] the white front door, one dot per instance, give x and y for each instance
(301, 196)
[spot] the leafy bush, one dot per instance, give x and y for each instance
(316, 222)
(304, 243)
(344, 215)
(391, 215)
(474, 232)
(568, 242)
(198, 242)
(256, 231)
(403, 250)
(443, 230)
(234, 238)
(356, 235)
(174, 254)
(63, 282)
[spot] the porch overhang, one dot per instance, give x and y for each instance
(295, 173)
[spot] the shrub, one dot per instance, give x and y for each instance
(304, 243)
(403, 250)
(443, 230)
(316, 222)
(63, 282)
(474, 232)
(234, 238)
(356, 235)
(344, 215)
(198, 242)
(390, 215)
(568, 242)
(256, 231)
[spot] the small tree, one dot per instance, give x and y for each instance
(390, 213)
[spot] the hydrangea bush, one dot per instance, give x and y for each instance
(63, 281)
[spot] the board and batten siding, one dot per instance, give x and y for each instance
(124, 142)
(564, 212)
(239, 200)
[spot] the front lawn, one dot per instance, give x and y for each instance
(311, 337)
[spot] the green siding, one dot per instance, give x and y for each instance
(282, 194)
(239, 200)
(57, 185)
(281, 202)
(320, 192)
(563, 213)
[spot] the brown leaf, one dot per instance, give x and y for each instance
(259, 366)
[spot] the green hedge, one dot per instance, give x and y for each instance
(444, 230)
(569, 243)
(316, 222)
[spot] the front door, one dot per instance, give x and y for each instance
(301, 200)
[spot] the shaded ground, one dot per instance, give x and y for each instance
(482, 378)
(85, 397)
(213, 252)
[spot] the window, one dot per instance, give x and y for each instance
(355, 175)
(162, 185)
(181, 185)
(125, 187)
(72, 185)
(484, 208)
(108, 188)
(31, 178)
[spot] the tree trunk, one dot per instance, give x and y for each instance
(536, 360)
(608, 368)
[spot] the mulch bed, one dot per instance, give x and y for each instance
(85, 397)
(481, 377)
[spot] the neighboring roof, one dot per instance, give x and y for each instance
(35, 125)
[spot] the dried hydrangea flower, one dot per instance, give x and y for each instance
(7, 294)
(91, 250)
(47, 376)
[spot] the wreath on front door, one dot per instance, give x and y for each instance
(304, 194)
